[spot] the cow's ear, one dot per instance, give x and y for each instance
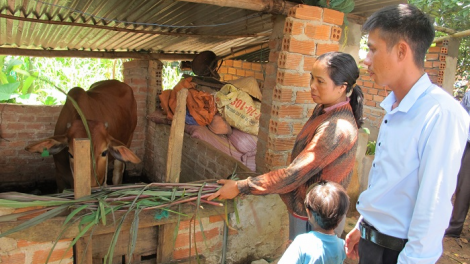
(121, 152)
(53, 145)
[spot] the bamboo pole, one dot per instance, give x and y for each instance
(118, 29)
(460, 34)
(96, 54)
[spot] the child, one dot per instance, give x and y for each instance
(326, 204)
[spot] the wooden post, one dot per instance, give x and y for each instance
(82, 187)
(175, 143)
(173, 169)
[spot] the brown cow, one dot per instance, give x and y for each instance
(111, 113)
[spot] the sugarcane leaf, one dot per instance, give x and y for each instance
(133, 233)
(65, 228)
(15, 216)
(173, 195)
(16, 204)
(74, 212)
(237, 217)
(23, 197)
(102, 212)
(36, 220)
(89, 218)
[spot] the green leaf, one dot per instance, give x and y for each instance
(74, 212)
(6, 90)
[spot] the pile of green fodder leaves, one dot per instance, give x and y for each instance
(90, 210)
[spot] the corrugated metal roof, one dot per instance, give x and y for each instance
(162, 26)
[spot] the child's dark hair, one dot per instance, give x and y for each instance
(327, 202)
(342, 69)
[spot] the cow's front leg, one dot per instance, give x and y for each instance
(118, 171)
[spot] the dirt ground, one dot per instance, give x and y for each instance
(456, 251)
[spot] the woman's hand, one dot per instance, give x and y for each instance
(228, 191)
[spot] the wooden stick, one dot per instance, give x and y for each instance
(82, 187)
(460, 34)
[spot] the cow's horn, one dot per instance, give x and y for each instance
(68, 125)
(106, 125)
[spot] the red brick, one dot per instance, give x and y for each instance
(370, 103)
(383, 93)
(232, 71)
(368, 84)
(40, 256)
(308, 63)
(282, 94)
(302, 97)
(288, 60)
(293, 79)
(333, 16)
(306, 12)
(289, 111)
(256, 66)
(318, 32)
(378, 98)
(428, 64)
(294, 26)
(222, 70)
(368, 97)
(306, 47)
(324, 48)
(18, 258)
(249, 73)
(434, 49)
(281, 144)
(336, 33)
(373, 91)
(241, 72)
(15, 126)
(432, 57)
(216, 218)
(228, 63)
(246, 65)
(237, 63)
(279, 127)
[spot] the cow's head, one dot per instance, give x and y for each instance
(103, 144)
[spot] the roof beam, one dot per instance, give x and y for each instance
(96, 54)
(460, 34)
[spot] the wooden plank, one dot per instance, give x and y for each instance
(175, 143)
(166, 237)
(82, 187)
(49, 230)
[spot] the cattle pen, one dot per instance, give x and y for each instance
(273, 42)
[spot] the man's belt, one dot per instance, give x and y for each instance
(368, 232)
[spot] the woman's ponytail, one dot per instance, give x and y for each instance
(357, 103)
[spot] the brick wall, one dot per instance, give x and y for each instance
(308, 32)
(236, 69)
(21, 125)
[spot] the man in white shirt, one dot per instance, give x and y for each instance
(462, 192)
(407, 206)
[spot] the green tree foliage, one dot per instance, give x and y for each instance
(452, 14)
